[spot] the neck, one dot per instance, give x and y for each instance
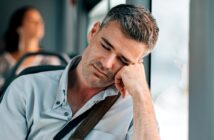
(26, 46)
(30, 45)
(78, 91)
(78, 85)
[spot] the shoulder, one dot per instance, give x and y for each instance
(6, 57)
(3, 57)
(5, 63)
(40, 77)
(32, 82)
(31, 86)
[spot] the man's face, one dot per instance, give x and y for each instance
(107, 52)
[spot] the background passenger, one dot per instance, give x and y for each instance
(23, 35)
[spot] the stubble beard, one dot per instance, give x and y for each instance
(94, 81)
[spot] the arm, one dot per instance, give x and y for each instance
(12, 113)
(131, 79)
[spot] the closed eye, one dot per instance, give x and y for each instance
(108, 46)
(123, 61)
(105, 47)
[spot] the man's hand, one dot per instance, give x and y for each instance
(132, 78)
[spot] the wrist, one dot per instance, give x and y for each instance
(141, 94)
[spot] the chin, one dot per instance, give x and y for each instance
(94, 83)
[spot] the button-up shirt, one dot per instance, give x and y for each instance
(35, 107)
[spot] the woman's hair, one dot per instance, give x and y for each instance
(11, 36)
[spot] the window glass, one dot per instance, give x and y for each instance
(98, 13)
(169, 68)
(116, 2)
(101, 9)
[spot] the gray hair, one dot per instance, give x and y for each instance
(136, 23)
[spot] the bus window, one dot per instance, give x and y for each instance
(113, 3)
(169, 68)
(97, 13)
(100, 10)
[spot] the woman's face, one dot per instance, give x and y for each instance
(32, 25)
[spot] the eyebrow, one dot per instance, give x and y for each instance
(111, 46)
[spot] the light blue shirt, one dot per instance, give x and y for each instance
(35, 107)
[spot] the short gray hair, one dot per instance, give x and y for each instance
(136, 23)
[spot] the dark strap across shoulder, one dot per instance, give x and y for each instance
(71, 125)
(92, 117)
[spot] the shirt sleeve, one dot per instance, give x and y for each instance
(12, 112)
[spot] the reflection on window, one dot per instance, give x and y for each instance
(116, 2)
(101, 9)
(98, 13)
(169, 75)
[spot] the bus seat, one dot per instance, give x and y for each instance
(13, 73)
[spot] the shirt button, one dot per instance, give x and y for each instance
(66, 113)
(58, 102)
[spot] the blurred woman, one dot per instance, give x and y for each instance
(23, 35)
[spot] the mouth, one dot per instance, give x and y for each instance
(100, 72)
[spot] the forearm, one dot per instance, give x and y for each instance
(134, 83)
(145, 125)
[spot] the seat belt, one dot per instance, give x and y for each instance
(92, 117)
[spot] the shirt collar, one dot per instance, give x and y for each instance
(61, 96)
(110, 91)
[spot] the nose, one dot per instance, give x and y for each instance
(109, 61)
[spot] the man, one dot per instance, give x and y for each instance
(38, 106)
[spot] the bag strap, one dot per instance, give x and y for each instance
(71, 125)
(93, 118)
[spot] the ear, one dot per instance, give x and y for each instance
(95, 29)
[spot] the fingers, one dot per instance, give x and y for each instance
(120, 85)
(129, 78)
(121, 89)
